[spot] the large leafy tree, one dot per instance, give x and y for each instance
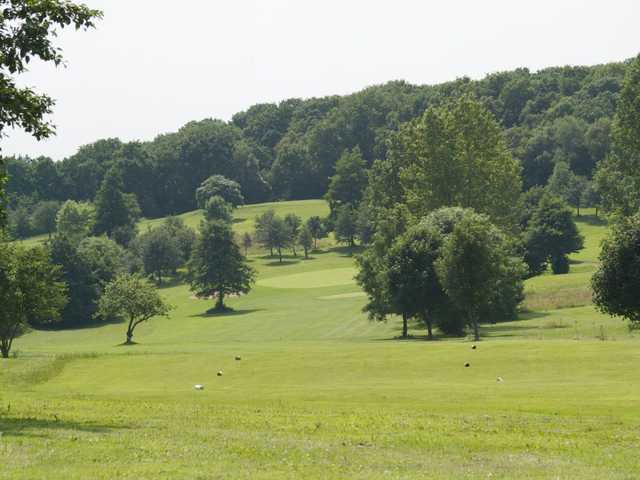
(31, 292)
(160, 252)
(617, 282)
(458, 156)
(75, 220)
(132, 299)
(27, 29)
(347, 184)
(217, 267)
(475, 260)
(220, 186)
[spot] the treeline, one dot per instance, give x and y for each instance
(290, 150)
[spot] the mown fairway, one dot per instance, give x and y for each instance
(321, 392)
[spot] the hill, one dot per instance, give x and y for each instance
(322, 392)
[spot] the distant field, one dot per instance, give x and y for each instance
(322, 392)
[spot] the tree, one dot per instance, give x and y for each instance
(473, 260)
(279, 235)
(458, 156)
(414, 287)
(27, 30)
(347, 184)
(218, 185)
(20, 222)
(565, 184)
(293, 222)
(591, 197)
(264, 230)
(550, 236)
(217, 267)
(314, 224)
(160, 252)
(346, 225)
(43, 218)
(75, 220)
(129, 297)
(247, 242)
(183, 235)
(617, 281)
(216, 208)
(116, 212)
(86, 265)
(305, 239)
(31, 292)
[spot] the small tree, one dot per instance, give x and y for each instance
(247, 242)
(160, 253)
(279, 235)
(30, 292)
(550, 236)
(293, 222)
(305, 239)
(130, 298)
(43, 218)
(184, 236)
(346, 225)
(617, 282)
(217, 267)
(216, 208)
(75, 220)
(314, 224)
(591, 197)
(217, 185)
(116, 212)
(263, 229)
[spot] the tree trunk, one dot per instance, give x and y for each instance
(280, 254)
(429, 331)
(596, 212)
(476, 331)
(306, 252)
(405, 326)
(220, 302)
(271, 251)
(293, 249)
(4, 349)
(130, 332)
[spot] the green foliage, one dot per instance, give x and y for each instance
(346, 227)
(116, 212)
(130, 298)
(86, 265)
(183, 235)
(316, 228)
(217, 208)
(458, 156)
(273, 232)
(219, 186)
(293, 223)
(74, 220)
(347, 185)
(617, 282)
(160, 252)
(43, 218)
(550, 235)
(305, 240)
(247, 242)
(31, 292)
(27, 32)
(475, 262)
(217, 267)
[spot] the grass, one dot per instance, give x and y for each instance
(321, 392)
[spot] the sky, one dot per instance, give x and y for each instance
(151, 66)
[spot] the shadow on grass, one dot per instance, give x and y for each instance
(347, 251)
(283, 263)
(28, 427)
(416, 338)
(592, 220)
(228, 313)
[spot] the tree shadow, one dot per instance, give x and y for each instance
(22, 427)
(170, 282)
(239, 220)
(227, 313)
(592, 220)
(283, 263)
(348, 251)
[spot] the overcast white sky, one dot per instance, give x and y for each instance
(153, 65)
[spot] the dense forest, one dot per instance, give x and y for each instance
(289, 150)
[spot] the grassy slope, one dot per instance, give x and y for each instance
(321, 392)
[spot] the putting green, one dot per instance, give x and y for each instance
(316, 279)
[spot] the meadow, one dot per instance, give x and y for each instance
(322, 392)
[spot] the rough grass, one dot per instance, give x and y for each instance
(321, 392)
